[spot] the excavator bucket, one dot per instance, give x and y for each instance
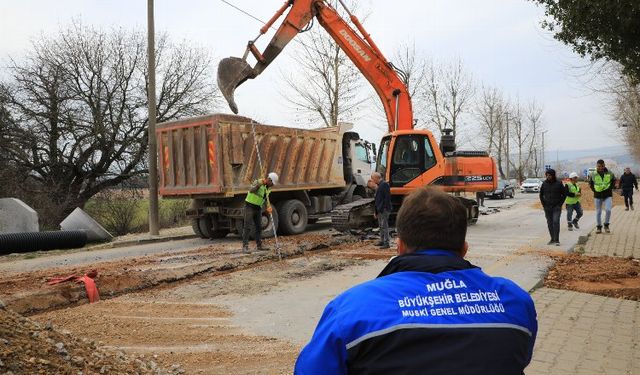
(232, 71)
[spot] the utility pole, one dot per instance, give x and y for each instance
(154, 229)
(508, 159)
(544, 166)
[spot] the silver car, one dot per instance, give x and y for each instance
(531, 185)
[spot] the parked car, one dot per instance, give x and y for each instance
(531, 185)
(503, 190)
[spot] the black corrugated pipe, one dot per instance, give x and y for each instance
(33, 241)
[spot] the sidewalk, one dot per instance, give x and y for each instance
(586, 334)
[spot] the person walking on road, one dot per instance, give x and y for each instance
(383, 208)
(602, 183)
(552, 196)
(429, 310)
(572, 202)
(627, 182)
(257, 197)
(480, 198)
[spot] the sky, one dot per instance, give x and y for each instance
(500, 43)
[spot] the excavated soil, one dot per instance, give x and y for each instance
(165, 311)
(28, 347)
(606, 276)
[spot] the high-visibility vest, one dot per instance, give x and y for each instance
(573, 188)
(259, 196)
(601, 183)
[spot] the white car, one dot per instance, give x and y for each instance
(531, 185)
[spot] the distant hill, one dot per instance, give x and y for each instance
(567, 161)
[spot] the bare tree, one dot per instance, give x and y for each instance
(79, 102)
(489, 111)
(325, 87)
(448, 94)
(535, 128)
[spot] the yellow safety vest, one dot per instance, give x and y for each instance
(573, 188)
(259, 196)
(601, 183)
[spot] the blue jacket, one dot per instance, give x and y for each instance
(383, 197)
(428, 312)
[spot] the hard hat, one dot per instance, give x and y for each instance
(273, 177)
(573, 175)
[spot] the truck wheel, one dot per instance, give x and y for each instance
(267, 225)
(195, 225)
(209, 228)
(293, 217)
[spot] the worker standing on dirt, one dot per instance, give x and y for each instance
(602, 183)
(257, 197)
(429, 310)
(627, 182)
(572, 201)
(383, 208)
(552, 196)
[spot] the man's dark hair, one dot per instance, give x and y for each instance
(600, 161)
(432, 219)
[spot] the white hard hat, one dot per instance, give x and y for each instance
(274, 177)
(573, 175)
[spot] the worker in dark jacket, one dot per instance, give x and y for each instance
(627, 182)
(383, 208)
(552, 196)
(429, 311)
(602, 183)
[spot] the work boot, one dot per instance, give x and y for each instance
(551, 242)
(570, 226)
(575, 223)
(385, 245)
(626, 208)
(606, 228)
(598, 229)
(557, 243)
(245, 249)
(380, 243)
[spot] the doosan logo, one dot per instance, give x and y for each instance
(355, 45)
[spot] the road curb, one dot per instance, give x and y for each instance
(141, 241)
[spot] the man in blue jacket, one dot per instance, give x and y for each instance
(429, 310)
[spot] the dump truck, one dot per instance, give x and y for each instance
(213, 160)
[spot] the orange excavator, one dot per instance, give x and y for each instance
(408, 158)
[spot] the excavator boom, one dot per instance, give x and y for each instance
(356, 44)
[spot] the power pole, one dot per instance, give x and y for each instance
(154, 229)
(508, 159)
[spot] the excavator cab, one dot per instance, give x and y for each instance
(232, 72)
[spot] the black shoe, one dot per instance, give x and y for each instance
(380, 243)
(626, 208)
(551, 242)
(606, 228)
(557, 243)
(570, 227)
(575, 224)
(598, 229)
(631, 207)
(245, 249)
(385, 246)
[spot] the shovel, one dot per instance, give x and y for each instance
(232, 72)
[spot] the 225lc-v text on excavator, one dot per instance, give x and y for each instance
(408, 158)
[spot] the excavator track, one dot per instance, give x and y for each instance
(354, 215)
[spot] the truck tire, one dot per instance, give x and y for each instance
(267, 230)
(293, 217)
(195, 225)
(208, 228)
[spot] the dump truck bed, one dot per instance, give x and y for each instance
(215, 156)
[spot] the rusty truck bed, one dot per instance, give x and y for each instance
(215, 156)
